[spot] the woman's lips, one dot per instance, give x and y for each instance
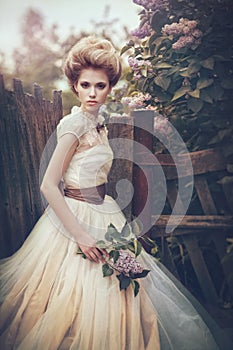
(92, 103)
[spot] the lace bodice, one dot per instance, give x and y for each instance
(92, 160)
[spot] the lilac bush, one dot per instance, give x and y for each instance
(186, 67)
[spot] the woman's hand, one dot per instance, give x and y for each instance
(93, 253)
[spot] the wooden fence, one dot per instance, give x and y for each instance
(209, 218)
(26, 123)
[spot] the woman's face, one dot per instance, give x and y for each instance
(92, 88)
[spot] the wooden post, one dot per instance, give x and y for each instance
(142, 176)
(121, 128)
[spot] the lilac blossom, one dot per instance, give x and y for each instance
(126, 263)
(162, 125)
(153, 5)
(142, 31)
(186, 29)
(136, 101)
(137, 65)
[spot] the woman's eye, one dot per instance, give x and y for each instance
(84, 85)
(101, 86)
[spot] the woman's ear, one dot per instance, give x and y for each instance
(75, 89)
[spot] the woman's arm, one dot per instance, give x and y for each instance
(50, 188)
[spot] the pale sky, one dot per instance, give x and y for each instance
(67, 13)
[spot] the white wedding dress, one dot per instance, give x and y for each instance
(53, 299)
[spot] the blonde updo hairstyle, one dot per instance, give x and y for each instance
(95, 53)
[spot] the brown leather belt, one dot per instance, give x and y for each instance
(94, 195)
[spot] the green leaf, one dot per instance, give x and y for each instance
(125, 232)
(136, 287)
(137, 247)
(214, 140)
(227, 83)
(143, 274)
(226, 180)
(154, 250)
(107, 270)
(208, 63)
(195, 104)
(136, 226)
(205, 96)
(216, 92)
(230, 167)
(124, 281)
(80, 252)
(125, 48)
(224, 133)
(204, 82)
(114, 254)
(101, 244)
(158, 20)
(194, 93)
(163, 81)
(111, 233)
(193, 68)
(130, 246)
(184, 72)
(180, 92)
(162, 65)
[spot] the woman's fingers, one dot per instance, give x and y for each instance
(94, 253)
(103, 253)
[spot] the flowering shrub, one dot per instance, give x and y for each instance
(182, 57)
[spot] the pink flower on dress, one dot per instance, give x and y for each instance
(126, 263)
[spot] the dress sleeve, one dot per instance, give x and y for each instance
(74, 123)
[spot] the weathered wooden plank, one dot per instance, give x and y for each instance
(204, 195)
(202, 162)
(200, 269)
(208, 222)
(2, 90)
(174, 197)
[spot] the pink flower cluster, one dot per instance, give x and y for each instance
(136, 101)
(137, 65)
(142, 31)
(187, 29)
(162, 125)
(154, 5)
(127, 263)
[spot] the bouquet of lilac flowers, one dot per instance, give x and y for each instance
(123, 248)
(130, 270)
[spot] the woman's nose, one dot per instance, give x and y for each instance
(92, 92)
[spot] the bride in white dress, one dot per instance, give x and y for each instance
(52, 298)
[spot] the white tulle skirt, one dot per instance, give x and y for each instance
(52, 298)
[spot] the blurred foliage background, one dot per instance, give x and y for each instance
(39, 57)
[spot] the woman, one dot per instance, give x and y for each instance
(52, 298)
